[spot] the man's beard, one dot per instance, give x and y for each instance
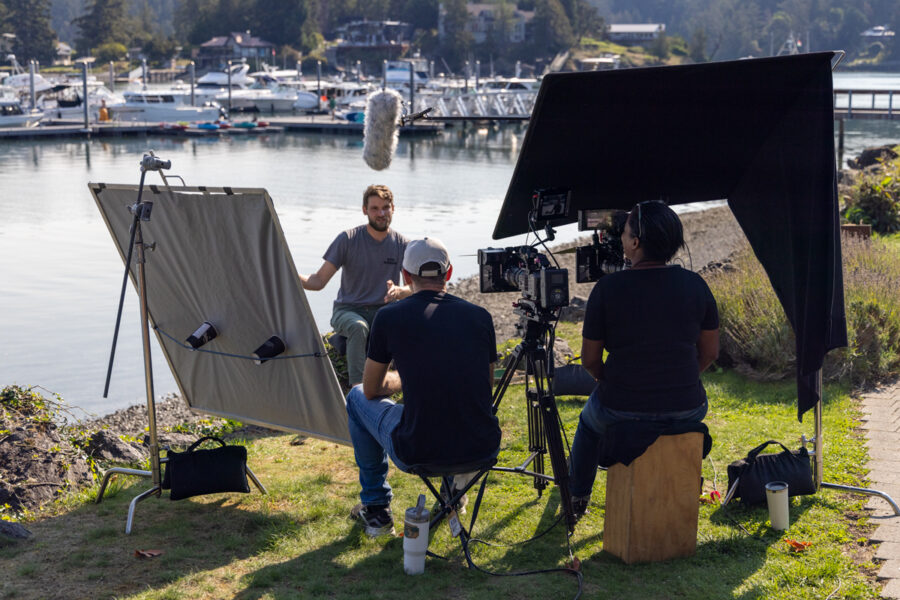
(378, 227)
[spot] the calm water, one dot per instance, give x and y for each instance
(61, 273)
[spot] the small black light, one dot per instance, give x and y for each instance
(204, 334)
(270, 349)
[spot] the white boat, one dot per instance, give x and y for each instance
(160, 107)
(397, 72)
(219, 80)
(261, 98)
(66, 103)
(20, 80)
(345, 94)
(13, 115)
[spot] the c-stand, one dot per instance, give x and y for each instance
(544, 427)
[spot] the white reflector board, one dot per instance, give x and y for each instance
(220, 256)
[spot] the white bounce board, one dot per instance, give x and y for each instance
(220, 256)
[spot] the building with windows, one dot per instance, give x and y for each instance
(635, 33)
(485, 20)
(369, 42)
(215, 53)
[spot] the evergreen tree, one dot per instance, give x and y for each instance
(457, 42)
(280, 22)
(552, 29)
(103, 21)
(30, 21)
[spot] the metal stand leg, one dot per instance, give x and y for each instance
(256, 481)
(123, 471)
(818, 445)
(154, 491)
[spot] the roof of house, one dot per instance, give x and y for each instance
(244, 40)
(476, 9)
(637, 28)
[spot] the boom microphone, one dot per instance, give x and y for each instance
(382, 123)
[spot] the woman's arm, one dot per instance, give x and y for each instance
(707, 347)
(592, 357)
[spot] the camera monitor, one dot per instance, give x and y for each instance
(552, 205)
(221, 260)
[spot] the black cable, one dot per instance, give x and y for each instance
(568, 570)
(316, 354)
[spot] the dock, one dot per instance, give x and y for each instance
(866, 104)
(275, 124)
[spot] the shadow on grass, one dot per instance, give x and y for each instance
(85, 552)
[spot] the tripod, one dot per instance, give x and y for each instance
(544, 428)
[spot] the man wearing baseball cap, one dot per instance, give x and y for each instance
(443, 348)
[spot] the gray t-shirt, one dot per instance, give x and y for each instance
(366, 264)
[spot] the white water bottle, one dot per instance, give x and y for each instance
(415, 537)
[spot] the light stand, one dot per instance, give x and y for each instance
(818, 456)
(141, 212)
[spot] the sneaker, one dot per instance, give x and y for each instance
(377, 519)
(580, 506)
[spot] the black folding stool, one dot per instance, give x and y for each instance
(447, 503)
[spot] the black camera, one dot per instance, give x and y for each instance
(523, 269)
(604, 255)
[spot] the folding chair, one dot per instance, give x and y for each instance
(451, 500)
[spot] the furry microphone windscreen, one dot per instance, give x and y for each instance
(381, 128)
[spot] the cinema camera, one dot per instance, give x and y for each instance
(523, 268)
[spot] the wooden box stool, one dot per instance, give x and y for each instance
(652, 505)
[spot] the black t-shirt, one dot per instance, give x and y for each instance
(649, 321)
(441, 346)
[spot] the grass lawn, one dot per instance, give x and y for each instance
(297, 542)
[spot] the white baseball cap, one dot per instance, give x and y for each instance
(427, 257)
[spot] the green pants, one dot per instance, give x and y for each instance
(353, 322)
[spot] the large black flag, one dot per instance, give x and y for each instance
(757, 132)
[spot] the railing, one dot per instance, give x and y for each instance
(865, 103)
(490, 104)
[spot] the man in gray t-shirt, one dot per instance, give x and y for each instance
(371, 256)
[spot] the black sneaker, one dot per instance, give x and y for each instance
(377, 519)
(580, 506)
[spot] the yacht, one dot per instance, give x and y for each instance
(13, 115)
(154, 107)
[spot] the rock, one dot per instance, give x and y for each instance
(13, 530)
(872, 156)
(176, 441)
(108, 446)
(574, 312)
(562, 353)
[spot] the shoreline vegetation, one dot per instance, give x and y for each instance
(49, 469)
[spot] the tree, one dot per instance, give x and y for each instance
(280, 22)
(109, 52)
(103, 21)
(552, 30)
(697, 46)
(30, 21)
(457, 42)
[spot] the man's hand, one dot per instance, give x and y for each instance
(396, 292)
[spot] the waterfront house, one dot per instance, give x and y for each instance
(215, 53)
(370, 42)
(484, 19)
(635, 33)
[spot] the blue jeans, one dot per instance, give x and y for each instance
(592, 425)
(371, 423)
